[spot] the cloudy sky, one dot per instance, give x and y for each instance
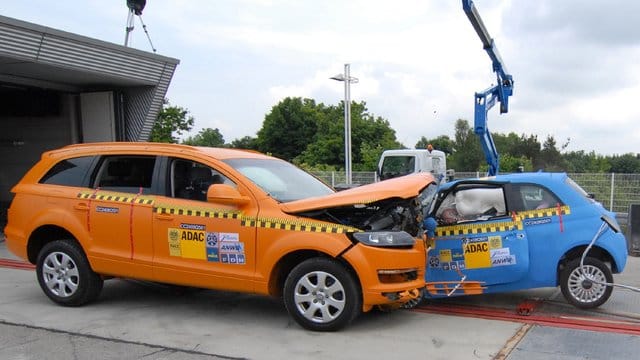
(576, 64)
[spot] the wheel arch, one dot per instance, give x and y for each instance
(576, 253)
(287, 262)
(44, 235)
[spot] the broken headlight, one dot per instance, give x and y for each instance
(385, 238)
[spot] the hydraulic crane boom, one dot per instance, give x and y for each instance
(486, 99)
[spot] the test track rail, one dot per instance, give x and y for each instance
(590, 323)
(16, 264)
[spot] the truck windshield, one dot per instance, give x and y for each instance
(394, 166)
(280, 179)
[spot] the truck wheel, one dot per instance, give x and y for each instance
(65, 276)
(322, 295)
(579, 288)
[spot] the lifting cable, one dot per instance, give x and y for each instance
(601, 230)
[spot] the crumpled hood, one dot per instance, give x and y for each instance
(403, 187)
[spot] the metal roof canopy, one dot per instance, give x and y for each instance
(37, 56)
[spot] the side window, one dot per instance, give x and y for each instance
(69, 172)
(126, 173)
(535, 197)
(191, 180)
(471, 204)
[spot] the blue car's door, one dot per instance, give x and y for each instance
(477, 241)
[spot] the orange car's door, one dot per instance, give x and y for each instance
(119, 219)
(200, 243)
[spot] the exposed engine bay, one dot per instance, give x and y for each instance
(393, 214)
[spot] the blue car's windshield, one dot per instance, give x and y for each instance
(280, 179)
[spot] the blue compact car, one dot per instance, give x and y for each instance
(522, 231)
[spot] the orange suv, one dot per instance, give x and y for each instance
(220, 219)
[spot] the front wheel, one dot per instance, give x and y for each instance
(64, 274)
(583, 286)
(322, 295)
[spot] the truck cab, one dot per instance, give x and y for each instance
(394, 163)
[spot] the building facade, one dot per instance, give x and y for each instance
(59, 88)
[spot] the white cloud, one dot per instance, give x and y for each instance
(418, 62)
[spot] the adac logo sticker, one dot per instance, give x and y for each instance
(188, 241)
(174, 242)
(476, 253)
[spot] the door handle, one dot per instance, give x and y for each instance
(81, 207)
(164, 217)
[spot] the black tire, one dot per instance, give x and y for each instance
(322, 295)
(65, 276)
(580, 290)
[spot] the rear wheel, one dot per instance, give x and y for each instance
(583, 286)
(65, 276)
(322, 295)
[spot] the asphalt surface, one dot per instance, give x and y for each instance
(138, 320)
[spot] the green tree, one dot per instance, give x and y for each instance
(206, 137)
(581, 162)
(289, 128)
(247, 142)
(627, 163)
(468, 154)
(442, 143)
(370, 135)
(510, 163)
(550, 157)
(518, 146)
(171, 121)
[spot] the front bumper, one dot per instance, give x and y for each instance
(388, 276)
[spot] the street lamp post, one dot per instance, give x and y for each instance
(348, 80)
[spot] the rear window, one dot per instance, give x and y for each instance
(535, 197)
(68, 172)
(579, 189)
(126, 173)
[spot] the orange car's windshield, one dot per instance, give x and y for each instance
(280, 179)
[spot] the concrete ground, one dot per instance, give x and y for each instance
(135, 320)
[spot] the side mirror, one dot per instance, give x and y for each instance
(612, 223)
(226, 194)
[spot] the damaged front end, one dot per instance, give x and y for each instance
(386, 215)
(386, 219)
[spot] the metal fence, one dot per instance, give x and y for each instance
(615, 191)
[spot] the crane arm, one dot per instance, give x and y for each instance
(486, 99)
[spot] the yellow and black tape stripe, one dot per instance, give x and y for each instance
(468, 229)
(198, 212)
(553, 211)
(267, 223)
(282, 224)
(116, 197)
